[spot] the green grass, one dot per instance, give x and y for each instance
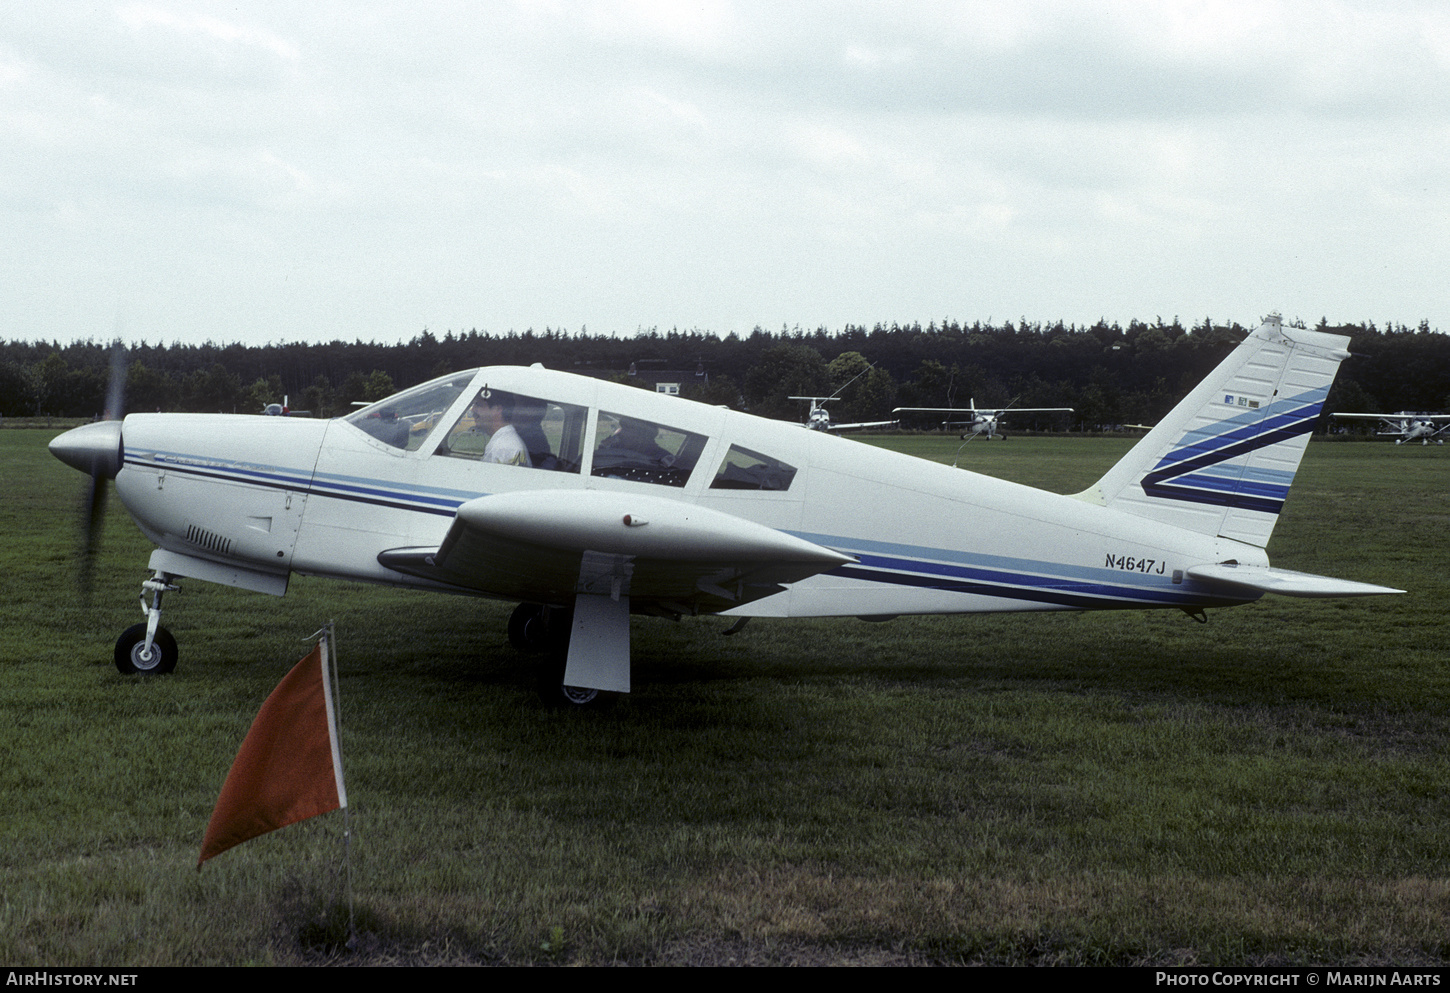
(1098, 788)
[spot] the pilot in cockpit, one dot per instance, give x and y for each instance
(492, 413)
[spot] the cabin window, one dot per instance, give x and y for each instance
(513, 429)
(743, 469)
(643, 451)
(406, 419)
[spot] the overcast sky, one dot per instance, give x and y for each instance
(258, 171)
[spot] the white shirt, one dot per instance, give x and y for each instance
(507, 448)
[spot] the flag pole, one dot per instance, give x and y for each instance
(333, 697)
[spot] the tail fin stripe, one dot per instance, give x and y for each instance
(1156, 484)
(1253, 474)
(1285, 413)
(1228, 485)
(1202, 456)
(1206, 459)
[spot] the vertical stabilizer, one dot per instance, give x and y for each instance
(1221, 462)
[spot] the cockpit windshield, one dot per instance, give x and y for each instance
(405, 420)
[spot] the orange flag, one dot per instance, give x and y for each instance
(289, 767)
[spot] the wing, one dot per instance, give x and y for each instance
(941, 410)
(999, 412)
(862, 426)
(547, 546)
(1396, 416)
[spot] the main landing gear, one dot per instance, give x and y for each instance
(148, 648)
(543, 631)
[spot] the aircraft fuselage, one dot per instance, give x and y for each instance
(248, 500)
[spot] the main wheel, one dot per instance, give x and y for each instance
(535, 628)
(519, 621)
(553, 691)
(130, 658)
(578, 696)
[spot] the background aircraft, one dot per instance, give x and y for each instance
(819, 418)
(586, 501)
(282, 410)
(979, 420)
(1407, 426)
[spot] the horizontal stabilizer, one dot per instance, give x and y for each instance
(1285, 582)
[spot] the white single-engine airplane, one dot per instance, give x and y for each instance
(979, 419)
(282, 410)
(819, 419)
(587, 501)
(1407, 426)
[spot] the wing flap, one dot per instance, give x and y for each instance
(532, 545)
(1285, 582)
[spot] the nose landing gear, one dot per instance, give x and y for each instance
(148, 648)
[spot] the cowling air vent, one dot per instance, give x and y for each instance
(209, 540)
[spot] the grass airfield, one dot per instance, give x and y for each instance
(1117, 789)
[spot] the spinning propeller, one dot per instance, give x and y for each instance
(96, 449)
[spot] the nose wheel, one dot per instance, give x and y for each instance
(134, 658)
(148, 648)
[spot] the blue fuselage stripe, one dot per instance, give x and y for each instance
(370, 492)
(1067, 596)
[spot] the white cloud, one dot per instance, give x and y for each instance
(141, 18)
(357, 166)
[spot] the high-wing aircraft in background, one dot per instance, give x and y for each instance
(819, 418)
(586, 501)
(282, 410)
(980, 420)
(1406, 426)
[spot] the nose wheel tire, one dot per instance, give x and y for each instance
(132, 660)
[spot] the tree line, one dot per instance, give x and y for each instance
(1109, 373)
